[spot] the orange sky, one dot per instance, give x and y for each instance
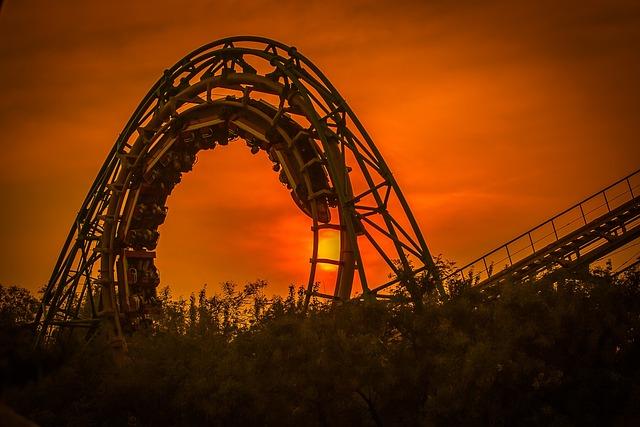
(492, 116)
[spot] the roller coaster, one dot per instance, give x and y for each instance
(573, 239)
(266, 95)
(277, 102)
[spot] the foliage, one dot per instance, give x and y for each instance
(17, 310)
(17, 305)
(561, 351)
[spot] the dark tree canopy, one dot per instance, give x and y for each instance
(553, 352)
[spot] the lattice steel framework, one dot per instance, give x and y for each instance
(575, 238)
(269, 95)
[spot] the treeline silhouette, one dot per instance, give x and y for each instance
(557, 351)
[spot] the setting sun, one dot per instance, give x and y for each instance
(329, 248)
(541, 100)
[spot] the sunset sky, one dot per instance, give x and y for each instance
(492, 116)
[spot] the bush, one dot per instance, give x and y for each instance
(552, 352)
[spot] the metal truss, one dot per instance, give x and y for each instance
(275, 100)
(575, 238)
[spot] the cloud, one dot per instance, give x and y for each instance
(492, 116)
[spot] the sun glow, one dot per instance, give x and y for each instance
(329, 248)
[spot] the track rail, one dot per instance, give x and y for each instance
(574, 238)
(276, 100)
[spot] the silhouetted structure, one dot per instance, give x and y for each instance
(575, 238)
(277, 101)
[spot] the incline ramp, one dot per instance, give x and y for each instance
(575, 238)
